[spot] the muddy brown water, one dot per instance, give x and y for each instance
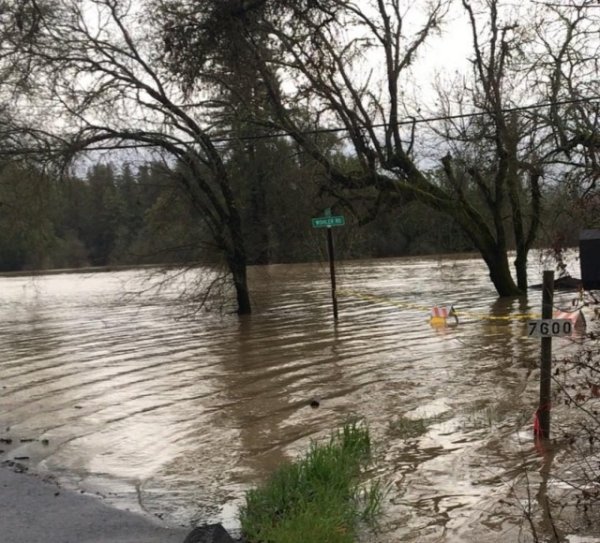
(179, 416)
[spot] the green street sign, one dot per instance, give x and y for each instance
(328, 222)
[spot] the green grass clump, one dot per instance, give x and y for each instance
(318, 498)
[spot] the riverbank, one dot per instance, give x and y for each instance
(85, 269)
(36, 508)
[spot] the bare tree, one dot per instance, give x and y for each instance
(566, 73)
(349, 65)
(91, 71)
(496, 165)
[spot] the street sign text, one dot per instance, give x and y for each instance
(327, 222)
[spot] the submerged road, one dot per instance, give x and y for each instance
(35, 510)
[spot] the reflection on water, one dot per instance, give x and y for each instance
(180, 416)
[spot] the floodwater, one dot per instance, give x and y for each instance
(125, 397)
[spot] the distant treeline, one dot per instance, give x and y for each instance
(126, 215)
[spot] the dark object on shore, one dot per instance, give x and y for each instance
(211, 533)
(563, 283)
(589, 258)
(315, 402)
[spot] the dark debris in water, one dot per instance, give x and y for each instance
(16, 466)
(562, 283)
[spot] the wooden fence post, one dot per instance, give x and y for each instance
(543, 412)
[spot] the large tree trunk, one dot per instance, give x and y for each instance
(497, 263)
(237, 267)
(492, 247)
(237, 260)
(521, 269)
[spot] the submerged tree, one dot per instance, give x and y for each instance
(494, 166)
(350, 65)
(97, 66)
(206, 82)
(566, 69)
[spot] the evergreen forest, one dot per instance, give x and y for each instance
(127, 214)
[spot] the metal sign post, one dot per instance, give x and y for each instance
(328, 221)
(332, 271)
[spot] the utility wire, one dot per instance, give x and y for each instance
(316, 131)
(584, 5)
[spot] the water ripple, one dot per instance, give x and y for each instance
(184, 414)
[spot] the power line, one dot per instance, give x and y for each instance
(584, 5)
(316, 131)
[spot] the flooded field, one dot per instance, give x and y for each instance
(115, 394)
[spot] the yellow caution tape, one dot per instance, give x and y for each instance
(480, 316)
(514, 316)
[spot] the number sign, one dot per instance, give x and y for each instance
(549, 328)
